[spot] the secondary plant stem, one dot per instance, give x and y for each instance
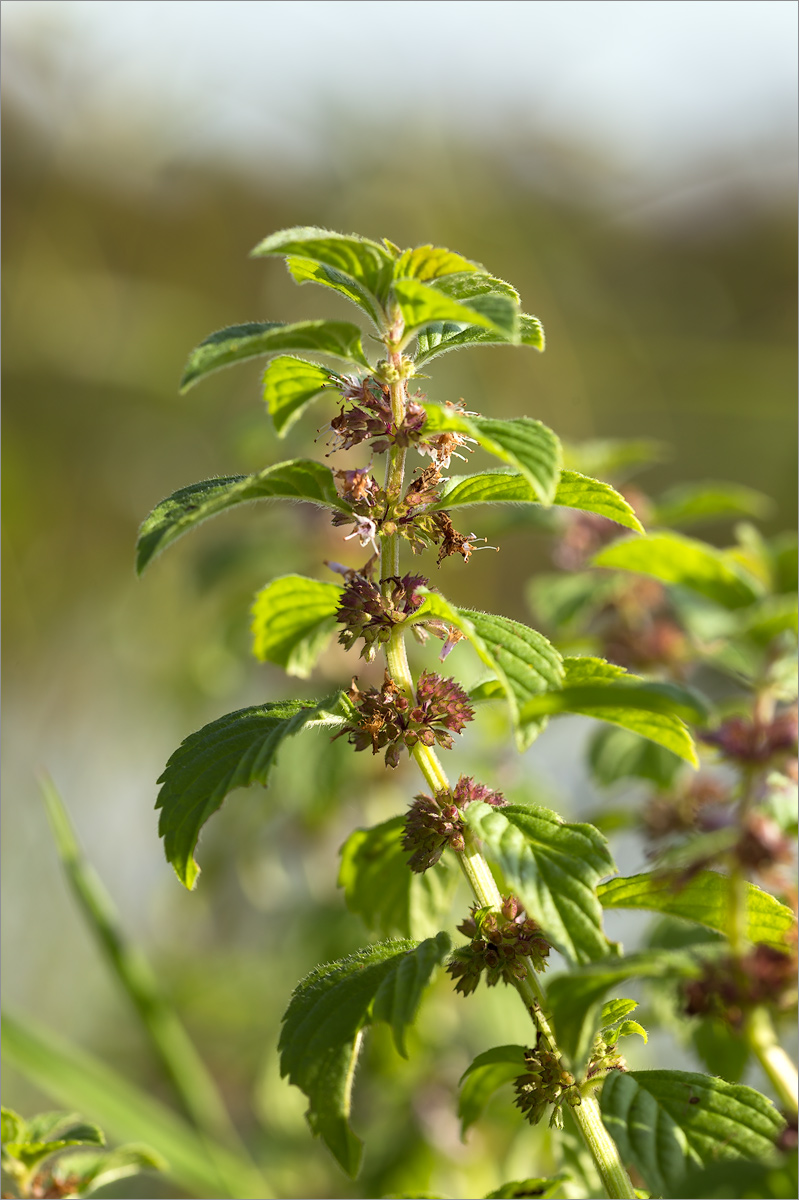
(775, 1062)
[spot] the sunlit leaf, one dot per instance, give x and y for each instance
(232, 752)
(305, 270)
(484, 1076)
(554, 868)
(293, 619)
(324, 1023)
(367, 263)
(297, 479)
(382, 889)
(290, 385)
(444, 336)
(422, 305)
(665, 1122)
(704, 898)
(237, 343)
(532, 448)
(429, 263)
(675, 559)
(615, 753)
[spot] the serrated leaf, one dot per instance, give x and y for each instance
(444, 336)
(628, 1029)
(305, 270)
(232, 752)
(290, 385)
(324, 1023)
(541, 1189)
(614, 1011)
(532, 448)
(675, 559)
(554, 868)
(422, 305)
(615, 753)
(237, 343)
(381, 888)
(690, 502)
(704, 898)
(49, 1132)
(511, 487)
(666, 1121)
(429, 263)
(737, 1180)
(365, 262)
(297, 479)
(599, 689)
(485, 294)
(575, 999)
(485, 1074)
(293, 619)
(523, 660)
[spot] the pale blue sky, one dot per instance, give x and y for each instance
(663, 85)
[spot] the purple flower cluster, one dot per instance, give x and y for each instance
(370, 613)
(433, 823)
(369, 416)
(499, 947)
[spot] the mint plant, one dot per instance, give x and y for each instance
(539, 884)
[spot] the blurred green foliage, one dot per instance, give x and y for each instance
(682, 331)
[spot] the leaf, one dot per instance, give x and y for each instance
(599, 689)
(738, 1180)
(704, 898)
(524, 661)
(73, 1077)
(485, 294)
(690, 502)
(237, 343)
(429, 263)
(444, 336)
(484, 1076)
(666, 1121)
(554, 868)
(234, 751)
(532, 448)
(293, 620)
(297, 479)
(613, 457)
(305, 270)
(614, 1011)
(615, 753)
(675, 559)
(381, 888)
(96, 1170)
(722, 1051)
(324, 1022)
(359, 259)
(422, 305)
(46, 1134)
(290, 385)
(542, 1189)
(511, 487)
(575, 999)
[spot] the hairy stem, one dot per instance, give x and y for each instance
(602, 1148)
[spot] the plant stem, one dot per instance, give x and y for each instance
(775, 1062)
(600, 1144)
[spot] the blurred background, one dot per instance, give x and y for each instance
(629, 167)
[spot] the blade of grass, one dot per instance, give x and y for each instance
(76, 1080)
(190, 1077)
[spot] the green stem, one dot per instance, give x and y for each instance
(775, 1062)
(474, 865)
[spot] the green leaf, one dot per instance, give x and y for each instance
(293, 619)
(704, 898)
(429, 263)
(541, 1189)
(599, 689)
(524, 661)
(324, 1022)
(511, 487)
(290, 385)
(485, 294)
(46, 1134)
(422, 305)
(297, 479)
(237, 343)
(614, 1011)
(575, 999)
(532, 448)
(690, 502)
(95, 1170)
(305, 270)
(674, 559)
(73, 1077)
(722, 1051)
(616, 753)
(736, 1180)
(554, 868)
(381, 888)
(613, 457)
(14, 1127)
(359, 259)
(484, 1076)
(667, 1121)
(444, 336)
(232, 752)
